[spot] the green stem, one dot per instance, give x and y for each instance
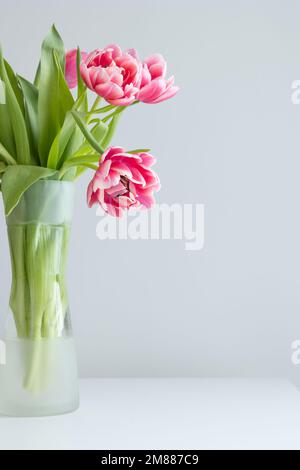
(115, 113)
(38, 296)
(118, 111)
(96, 102)
(111, 131)
(19, 289)
(105, 109)
(32, 379)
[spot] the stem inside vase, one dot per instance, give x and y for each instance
(38, 233)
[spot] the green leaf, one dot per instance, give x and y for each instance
(72, 146)
(99, 131)
(2, 167)
(55, 98)
(16, 118)
(30, 93)
(67, 140)
(77, 137)
(6, 131)
(37, 76)
(17, 179)
(81, 87)
(79, 171)
(138, 151)
(5, 155)
(53, 41)
(89, 165)
(86, 161)
(15, 85)
(60, 142)
(86, 132)
(80, 159)
(69, 175)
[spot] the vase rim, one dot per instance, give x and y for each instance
(45, 203)
(43, 180)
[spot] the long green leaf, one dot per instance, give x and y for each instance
(72, 146)
(17, 179)
(60, 142)
(67, 140)
(93, 158)
(138, 151)
(5, 155)
(88, 165)
(55, 98)
(77, 137)
(65, 96)
(86, 132)
(37, 76)
(81, 161)
(81, 87)
(30, 93)
(79, 171)
(15, 85)
(6, 131)
(99, 131)
(70, 175)
(16, 118)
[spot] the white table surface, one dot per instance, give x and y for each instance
(167, 414)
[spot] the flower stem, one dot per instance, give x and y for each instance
(95, 104)
(119, 110)
(111, 131)
(38, 297)
(105, 109)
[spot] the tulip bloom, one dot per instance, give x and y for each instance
(154, 86)
(123, 180)
(112, 74)
(71, 67)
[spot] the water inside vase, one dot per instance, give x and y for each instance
(53, 387)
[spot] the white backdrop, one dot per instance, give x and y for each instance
(229, 140)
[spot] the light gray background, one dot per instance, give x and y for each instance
(229, 140)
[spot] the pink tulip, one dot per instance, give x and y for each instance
(123, 180)
(154, 86)
(71, 67)
(113, 74)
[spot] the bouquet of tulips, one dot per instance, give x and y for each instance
(48, 132)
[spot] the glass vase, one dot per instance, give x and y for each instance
(39, 374)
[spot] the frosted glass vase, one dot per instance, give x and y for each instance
(39, 374)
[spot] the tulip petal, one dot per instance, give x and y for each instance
(167, 95)
(152, 91)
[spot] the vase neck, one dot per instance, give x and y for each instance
(46, 202)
